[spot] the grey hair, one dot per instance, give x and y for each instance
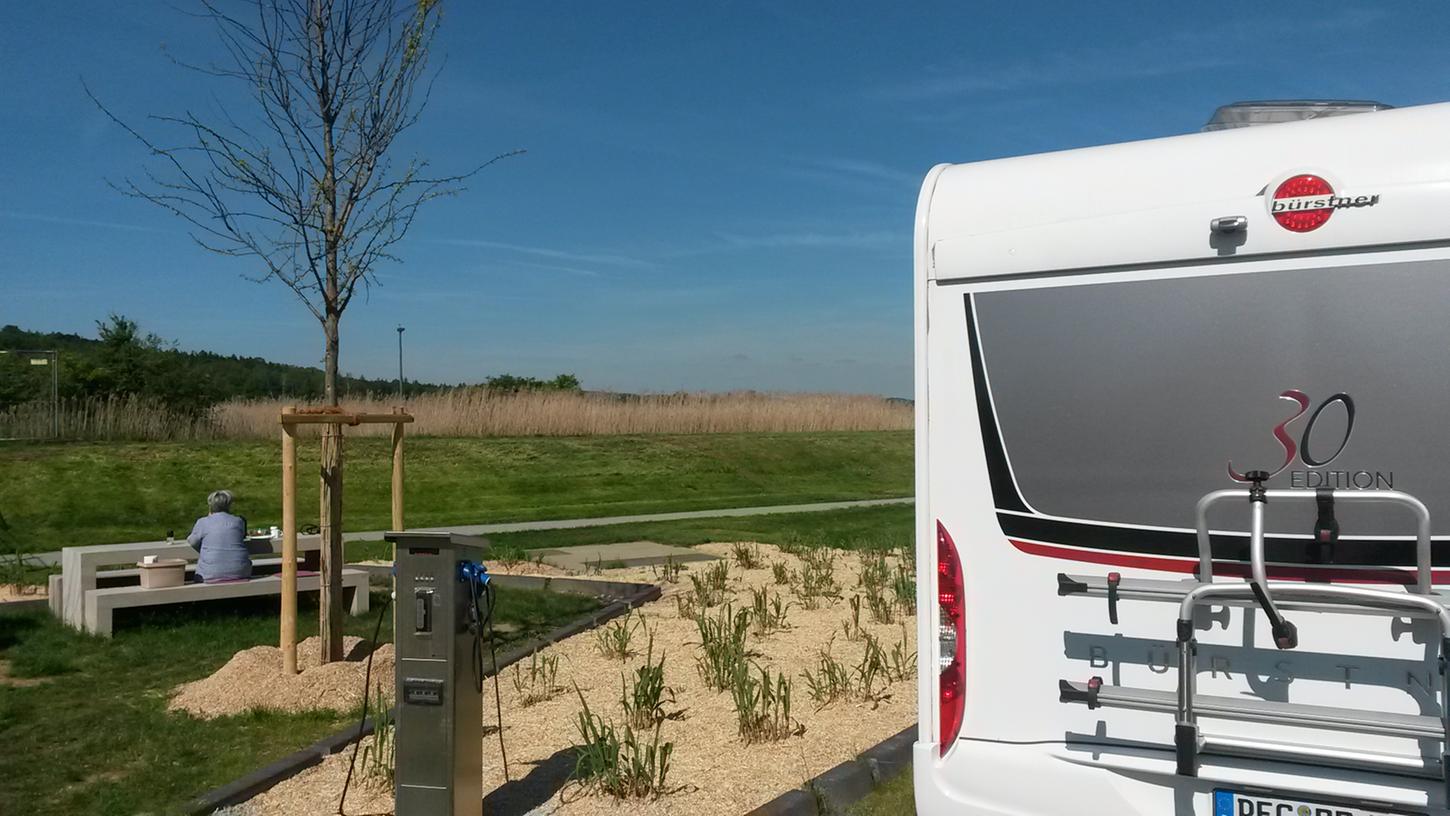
(220, 501)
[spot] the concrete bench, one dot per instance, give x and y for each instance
(100, 603)
(105, 579)
(80, 565)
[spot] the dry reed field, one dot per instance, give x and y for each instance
(477, 412)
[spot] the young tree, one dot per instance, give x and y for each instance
(301, 178)
(124, 355)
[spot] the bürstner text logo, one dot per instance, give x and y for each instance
(1303, 203)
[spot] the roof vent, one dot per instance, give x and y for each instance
(1272, 112)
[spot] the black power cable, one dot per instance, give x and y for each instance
(367, 688)
(480, 621)
(497, 700)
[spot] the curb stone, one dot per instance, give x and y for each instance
(381, 574)
(834, 791)
(266, 777)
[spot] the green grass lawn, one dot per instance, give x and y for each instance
(64, 494)
(854, 528)
(96, 738)
(895, 797)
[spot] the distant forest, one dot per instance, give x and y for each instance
(123, 361)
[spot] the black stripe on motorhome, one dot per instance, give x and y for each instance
(1184, 544)
(1004, 488)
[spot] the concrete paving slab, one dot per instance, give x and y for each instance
(620, 554)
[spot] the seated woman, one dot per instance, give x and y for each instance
(221, 538)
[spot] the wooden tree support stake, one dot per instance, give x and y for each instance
(330, 602)
(289, 545)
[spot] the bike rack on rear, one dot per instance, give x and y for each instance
(1418, 601)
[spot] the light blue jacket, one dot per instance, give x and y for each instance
(221, 538)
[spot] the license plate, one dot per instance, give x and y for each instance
(1233, 803)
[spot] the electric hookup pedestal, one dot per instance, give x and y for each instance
(442, 603)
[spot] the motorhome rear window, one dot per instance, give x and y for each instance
(1125, 402)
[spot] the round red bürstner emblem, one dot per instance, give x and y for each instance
(1302, 203)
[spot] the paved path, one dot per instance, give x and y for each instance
(581, 558)
(53, 558)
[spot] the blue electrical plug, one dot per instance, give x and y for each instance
(473, 572)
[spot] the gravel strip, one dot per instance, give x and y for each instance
(717, 773)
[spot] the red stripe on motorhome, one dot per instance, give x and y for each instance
(1149, 562)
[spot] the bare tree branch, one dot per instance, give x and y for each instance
(301, 179)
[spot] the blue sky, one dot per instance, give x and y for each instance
(715, 195)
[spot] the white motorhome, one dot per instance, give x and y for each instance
(1183, 444)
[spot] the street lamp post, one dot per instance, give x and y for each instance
(47, 357)
(400, 363)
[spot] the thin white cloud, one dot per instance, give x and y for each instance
(876, 239)
(867, 169)
(856, 171)
(455, 295)
(1180, 52)
(621, 261)
(572, 270)
(1053, 70)
(727, 242)
(77, 222)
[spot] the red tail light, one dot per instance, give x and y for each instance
(951, 637)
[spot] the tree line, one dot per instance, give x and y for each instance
(122, 361)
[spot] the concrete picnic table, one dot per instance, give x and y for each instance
(79, 565)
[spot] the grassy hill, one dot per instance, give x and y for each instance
(57, 495)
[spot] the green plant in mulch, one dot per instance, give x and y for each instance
(872, 674)
(901, 660)
(615, 638)
(620, 765)
(380, 754)
(818, 578)
(669, 571)
(832, 680)
(762, 706)
(876, 581)
(903, 586)
(686, 605)
(882, 606)
(537, 683)
(644, 699)
(713, 584)
(781, 573)
(722, 646)
(509, 556)
(747, 556)
(852, 626)
(875, 572)
(767, 612)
